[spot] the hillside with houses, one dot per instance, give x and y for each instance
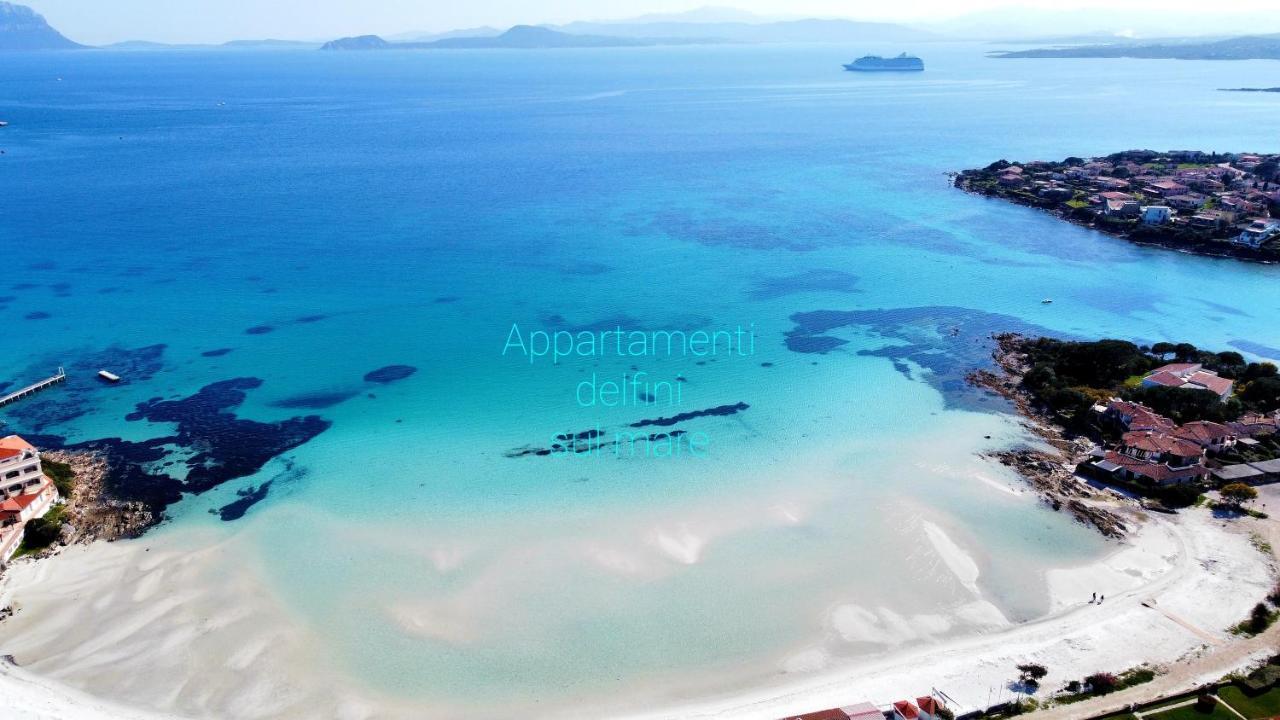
(1166, 421)
(1208, 203)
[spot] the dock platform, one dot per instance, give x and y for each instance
(34, 388)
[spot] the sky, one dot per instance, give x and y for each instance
(104, 21)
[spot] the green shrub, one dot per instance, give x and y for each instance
(63, 477)
(42, 532)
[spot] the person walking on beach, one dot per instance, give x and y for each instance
(1093, 599)
(1101, 598)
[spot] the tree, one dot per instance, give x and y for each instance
(42, 532)
(1183, 405)
(1260, 370)
(1237, 493)
(1185, 351)
(1031, 674)
(1263, 393)
(1259, 618)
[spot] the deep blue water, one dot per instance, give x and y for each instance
(306, 218)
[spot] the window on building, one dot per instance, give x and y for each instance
(11, 474)
(31, 469)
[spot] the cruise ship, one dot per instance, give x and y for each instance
(875, 63)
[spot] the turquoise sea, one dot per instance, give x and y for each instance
(319, 216)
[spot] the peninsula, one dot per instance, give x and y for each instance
(1260, 47)
(22, 28)
(1206, 203)
(524, 37)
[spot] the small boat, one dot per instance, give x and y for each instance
(109, 376)
(3, 124)
(1047, 301)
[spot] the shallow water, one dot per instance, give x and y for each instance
(307, 218)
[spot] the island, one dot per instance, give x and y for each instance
(525, 37)
(1249, 47)
(1249, 89)
(1201, 202)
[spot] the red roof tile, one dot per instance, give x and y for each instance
(833, 714)
(906, 709)
(928, 704)
(1203, 432)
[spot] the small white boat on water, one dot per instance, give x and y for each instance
(1047, 301)
(109, 376)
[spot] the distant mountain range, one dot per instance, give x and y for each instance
(809, 30)
(1074, 34)
(232, 45)
(22, 28)
(1259, 47)
(420, 36)
(518, 37)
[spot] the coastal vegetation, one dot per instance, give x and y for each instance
(1103, 683)
(1085, 396)
(42, 532)
(62, 475)
(1070, 377)
(1203, 202)
(1261, 617)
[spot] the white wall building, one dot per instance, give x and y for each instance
(1259, 231)
(1156, 214)
(25, 494)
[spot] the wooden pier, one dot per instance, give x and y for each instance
(33, 388)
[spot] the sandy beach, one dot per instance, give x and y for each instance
(162, 624)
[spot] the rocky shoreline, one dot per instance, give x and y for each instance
(1050, 473)
(1203, 248)
(91, 513)
(1081, 190)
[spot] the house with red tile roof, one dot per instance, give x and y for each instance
(26, 493)
(1213, 437)
(1162, 447)
(1155, 450)
(1254, 424)
(19, 466)
(1141, 470)
(1135, 416)
(1189, 376)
